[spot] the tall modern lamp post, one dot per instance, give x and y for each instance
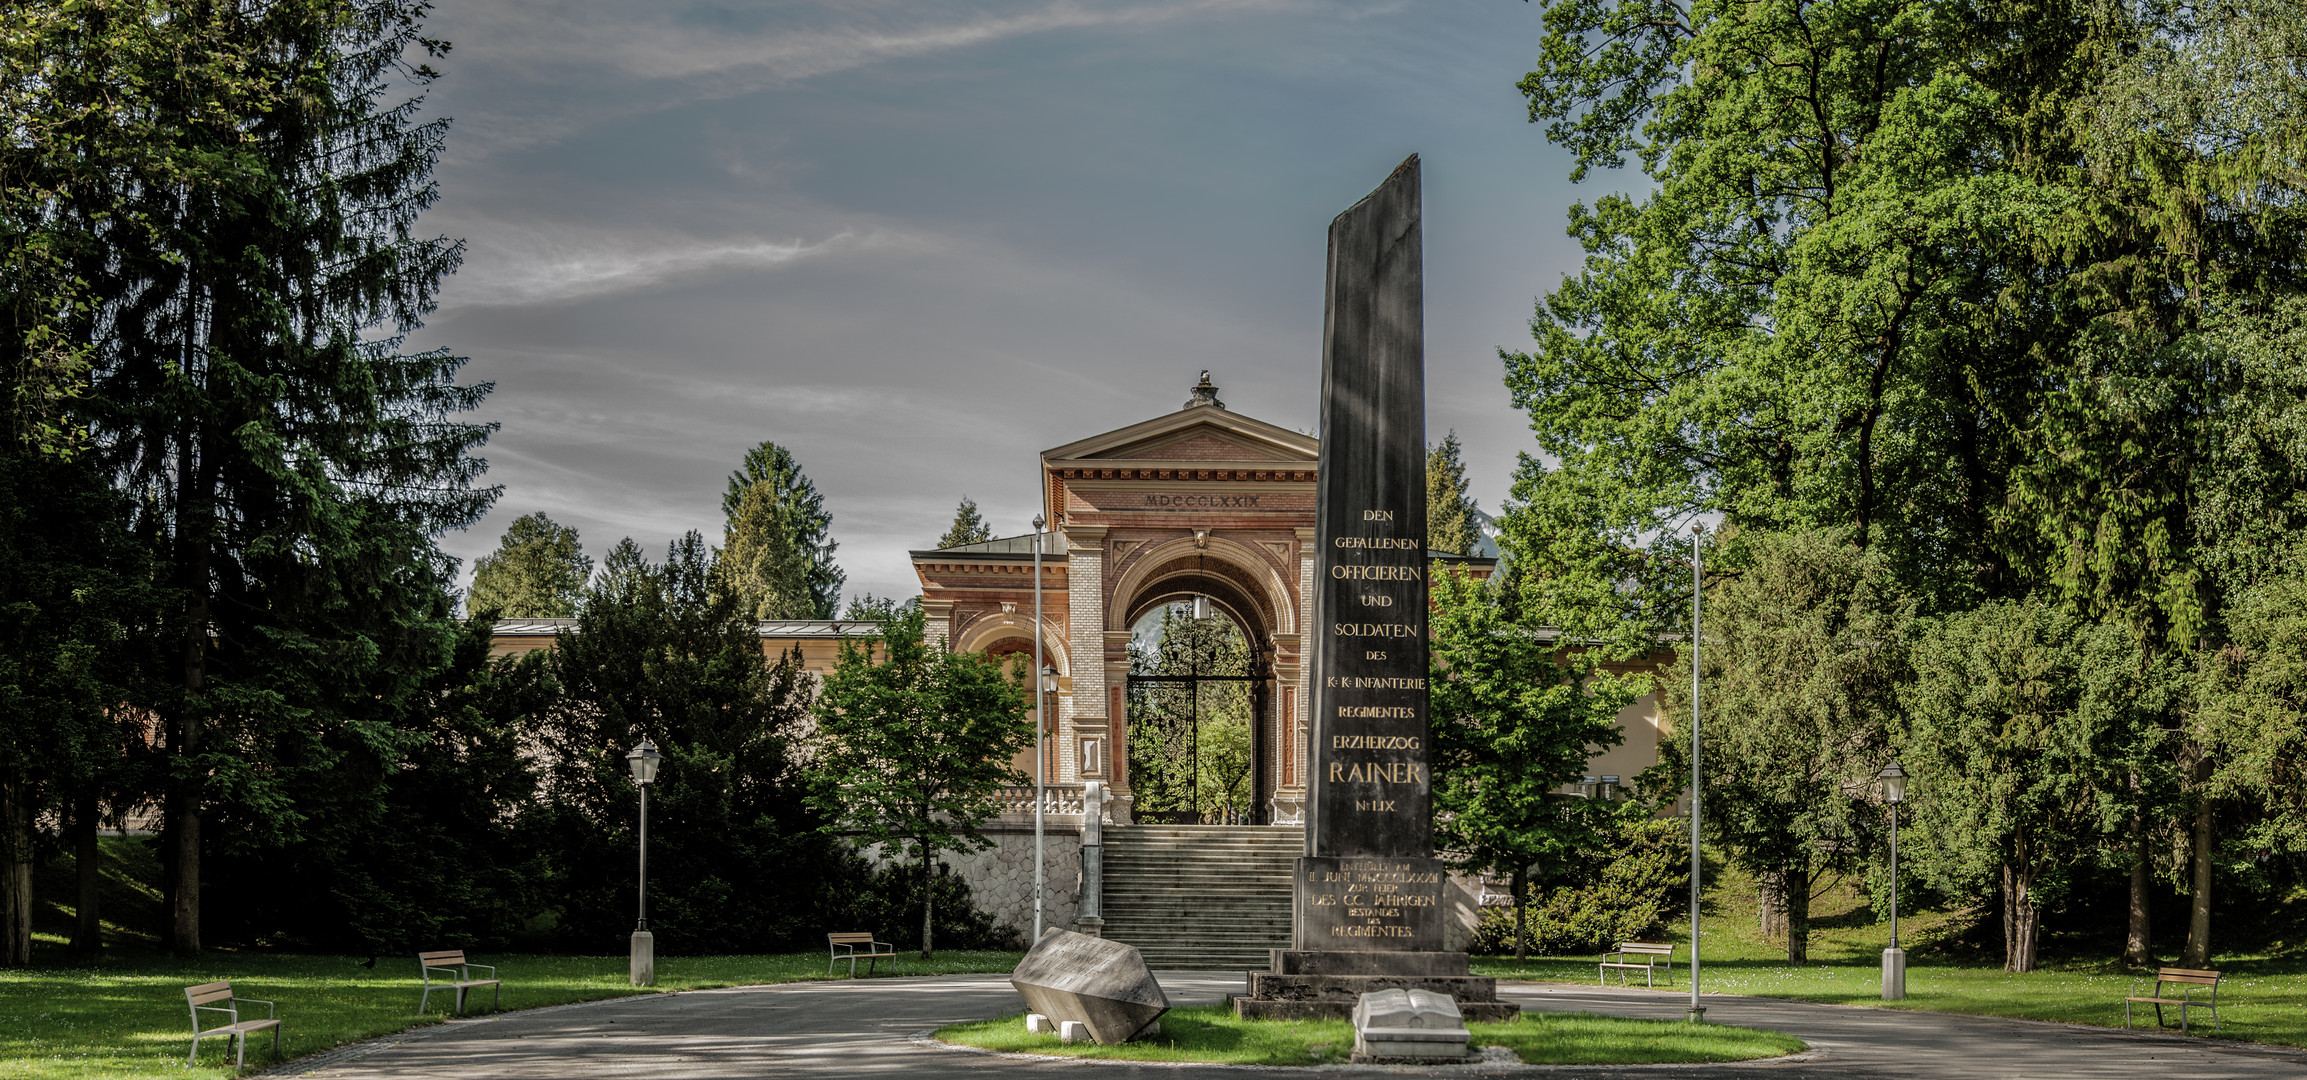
(1893, 958)
(1697, 1011)
(1040, 724)
(643, 761)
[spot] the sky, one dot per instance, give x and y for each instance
(919, 243)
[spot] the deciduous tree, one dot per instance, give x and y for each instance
(915, 740)
(1517, 712)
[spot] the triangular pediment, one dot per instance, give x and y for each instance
(1197, 433)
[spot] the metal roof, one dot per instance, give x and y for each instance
(1053, 546)
(779, 628)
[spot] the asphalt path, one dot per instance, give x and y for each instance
(872, 1028)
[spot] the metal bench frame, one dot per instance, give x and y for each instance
(200, 999)
(873, 954)
(1654, 953)
(2187, 979)
(453, 961)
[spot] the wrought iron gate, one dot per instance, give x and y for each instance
(1165, 752)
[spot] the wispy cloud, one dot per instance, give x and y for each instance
(512, 267)
(658, 56)
(662, 44)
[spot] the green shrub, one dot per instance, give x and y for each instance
(1628, 901)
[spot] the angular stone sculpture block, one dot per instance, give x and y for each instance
(1408, 1026)
(1103, 985)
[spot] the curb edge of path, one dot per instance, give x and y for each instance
(2147, 1035)
(1495, 1059)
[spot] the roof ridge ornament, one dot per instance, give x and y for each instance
(1205, 394)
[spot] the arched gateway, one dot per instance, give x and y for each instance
(1201, 502)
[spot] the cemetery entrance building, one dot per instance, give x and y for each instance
(1176, 577)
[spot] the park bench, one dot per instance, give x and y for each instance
(460, 971)
(204, 998)
(1623, 959)
(843, 946)
(2187, 980)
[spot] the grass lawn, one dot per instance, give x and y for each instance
(1212, 1033)
(2264, 998)
(123, 1017)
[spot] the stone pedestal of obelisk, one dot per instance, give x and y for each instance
(1369, 891)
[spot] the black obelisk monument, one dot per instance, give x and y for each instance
(1369, 890)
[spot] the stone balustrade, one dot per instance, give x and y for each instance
(1061, 805)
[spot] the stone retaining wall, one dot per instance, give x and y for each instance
(1001, 877)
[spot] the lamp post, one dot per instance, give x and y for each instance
(1040, 724)
(1047, 687)
(1697, 1012)
(643, 761)
(1893, 958)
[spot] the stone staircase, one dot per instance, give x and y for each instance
(1201, 897)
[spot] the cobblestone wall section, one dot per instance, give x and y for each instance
(1001, 878)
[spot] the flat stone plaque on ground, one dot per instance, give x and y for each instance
(1103, 984)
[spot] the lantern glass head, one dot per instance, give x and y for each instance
(1038, 522)
(1049, 679)
(1893, 783)
(643, 761)
(1201, 607)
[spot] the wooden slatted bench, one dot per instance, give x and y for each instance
(460, 970)
(2187, 980)
(844, 946)
(204, 998)
(1622, 959)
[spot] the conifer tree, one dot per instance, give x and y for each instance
(290, 466)
(1451, 522)
(967, 527)
(777, 546)
(538, 571)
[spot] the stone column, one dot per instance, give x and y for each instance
(1290, 801)
(1084, 703)
(1089, 915)
(938, 620)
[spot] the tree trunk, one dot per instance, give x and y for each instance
(15, 873)
(164, 841)
(88, 875)
(2198, 951)
(196, 506)
(187, 787)
(2009, 917)
(2138, 950)
(1796, 904)
(928, 896)
(1770, 906)
(2020, 917)
(1516, 885)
